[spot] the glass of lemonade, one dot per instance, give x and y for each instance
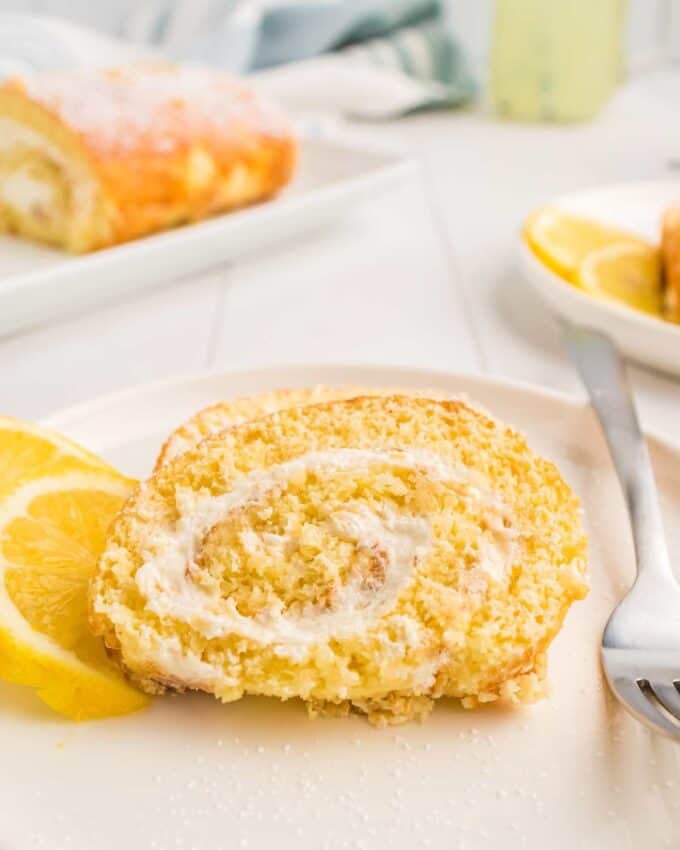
(555, 60)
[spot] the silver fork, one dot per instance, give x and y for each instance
(641, 641)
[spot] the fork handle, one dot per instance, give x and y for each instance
(602, 371)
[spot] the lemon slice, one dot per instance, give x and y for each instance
(52, 530)
(627, 273)
(28, 451)
(563, 241)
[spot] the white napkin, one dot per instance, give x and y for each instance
(43, 43)
(335, 84)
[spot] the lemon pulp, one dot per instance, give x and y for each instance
(562, 241)
(56, 503)
(626, 273)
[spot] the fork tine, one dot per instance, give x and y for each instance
(632, 695)
(669, 697)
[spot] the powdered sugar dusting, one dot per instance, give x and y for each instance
(154, 107)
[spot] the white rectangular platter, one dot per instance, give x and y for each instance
(38, 284)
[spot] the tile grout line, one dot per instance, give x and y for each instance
(454, 266)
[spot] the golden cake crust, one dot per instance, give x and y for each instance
(235, 411)
(464, 633)
(225, 414)
(156, 145)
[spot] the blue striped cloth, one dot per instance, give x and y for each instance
(293, 31)
(429, 54)
(408, 35)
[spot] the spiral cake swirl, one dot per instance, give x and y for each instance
(373, 553)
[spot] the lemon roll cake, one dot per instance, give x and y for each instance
(93, 157)
(370, 554)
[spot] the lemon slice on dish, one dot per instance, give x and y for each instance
(53, 525)
(562, 241)
(627, 273)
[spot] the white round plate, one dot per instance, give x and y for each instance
(571, 772)
(636, 207)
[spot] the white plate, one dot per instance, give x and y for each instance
(636, 207)
(571, 773)
(335, 173)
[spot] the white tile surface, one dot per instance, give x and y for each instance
(378, 288)
(142, 339)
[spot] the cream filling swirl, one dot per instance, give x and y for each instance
(24, 193)
(401, 541)
(21, 195)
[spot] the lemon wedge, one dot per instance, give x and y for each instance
(55, 509)
(562, 241)
(627, 273)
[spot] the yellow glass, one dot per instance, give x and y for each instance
(555, 60)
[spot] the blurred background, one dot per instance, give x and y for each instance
(568, 56)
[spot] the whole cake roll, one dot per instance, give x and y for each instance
(371, 554)
(93, 157)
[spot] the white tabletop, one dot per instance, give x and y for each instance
(423, 276)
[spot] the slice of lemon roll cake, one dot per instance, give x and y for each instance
(373, 553)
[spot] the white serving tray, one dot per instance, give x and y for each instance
(335, 173)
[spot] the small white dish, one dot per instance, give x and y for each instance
(336, 172)
(636, 207)
(573, 771)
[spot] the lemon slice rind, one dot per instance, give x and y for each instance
(67, 447)
(29, 657)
